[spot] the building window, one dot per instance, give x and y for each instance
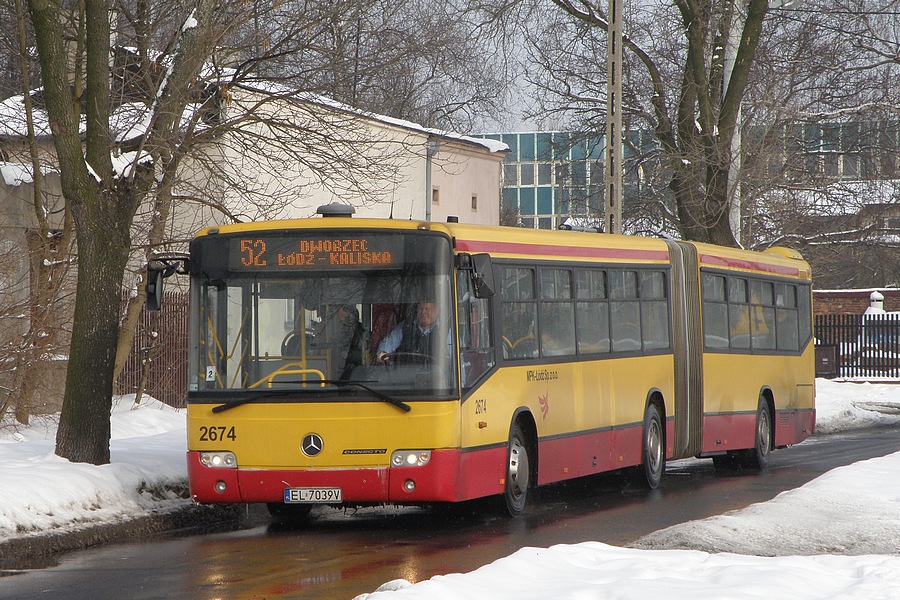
(545, 174)
(527, 174)
(435, 196)
(474, 202)
(510, 175)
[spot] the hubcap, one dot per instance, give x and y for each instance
(518, 469)
(764, 432)
(654, 446)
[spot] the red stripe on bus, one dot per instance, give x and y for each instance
(737, 431)
(740, 263)
(450, 476)
(553, 250)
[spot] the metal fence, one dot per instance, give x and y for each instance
(158, 360)
(858, 346)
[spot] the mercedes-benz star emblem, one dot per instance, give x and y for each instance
(312, 444)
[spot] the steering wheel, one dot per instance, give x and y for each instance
(289, 339)
(408, 357)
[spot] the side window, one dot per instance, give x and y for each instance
(519, 320)
(591, 311)
(738, 314)
(759, 314)
(654, 310)
(625, 311)
(787, 330)
(762, 301)
(557, 313)
(715, 312)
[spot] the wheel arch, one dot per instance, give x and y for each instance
(524, 417)
(656, 397)
(766, 393)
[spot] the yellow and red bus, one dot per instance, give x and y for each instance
(554, 355)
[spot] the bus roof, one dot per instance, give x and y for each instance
(777, 261)
(577, 246)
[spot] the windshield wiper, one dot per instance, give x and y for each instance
(362, 385)
(336, 382)
(248, 399)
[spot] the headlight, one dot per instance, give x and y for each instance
(410, 458)
(219, 460)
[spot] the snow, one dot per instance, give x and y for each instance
(15, 174)
(43, 493)
(836, 537)
(131, 120)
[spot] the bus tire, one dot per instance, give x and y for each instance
(518, 471)
(653, 447)
(758, 458)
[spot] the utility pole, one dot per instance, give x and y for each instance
(733, 39)
(613, 204)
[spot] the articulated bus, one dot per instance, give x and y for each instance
(553, 355)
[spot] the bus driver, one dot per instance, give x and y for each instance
(414, 340)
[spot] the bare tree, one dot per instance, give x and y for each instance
(39, 293)
(214, 103)
(411, 59)
(808, 88)
(822, 137)
(676, 59)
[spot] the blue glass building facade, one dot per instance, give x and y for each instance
(551, 176)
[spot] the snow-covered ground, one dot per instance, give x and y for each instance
(836, 537)
(41, 493)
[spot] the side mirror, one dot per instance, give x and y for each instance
(158, 268)
(154, 287)
(483, 275)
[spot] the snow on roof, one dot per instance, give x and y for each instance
(12, 118)
(130, 119)
(312, 98)
(15, 174)
(491, 145)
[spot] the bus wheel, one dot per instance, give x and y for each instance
(653, 451)
(289, 513)
(758, 457)
(518, 473)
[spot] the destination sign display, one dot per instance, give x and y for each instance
(295, 253)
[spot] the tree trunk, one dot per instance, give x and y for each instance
(84, 427)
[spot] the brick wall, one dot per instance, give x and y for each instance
(835, 302)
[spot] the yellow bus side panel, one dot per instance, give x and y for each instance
(578, 409)
(732, 387)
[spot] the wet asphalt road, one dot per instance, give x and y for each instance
(339, 555)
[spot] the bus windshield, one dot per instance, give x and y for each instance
(301, 310)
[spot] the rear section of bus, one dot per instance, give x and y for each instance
(758, 352)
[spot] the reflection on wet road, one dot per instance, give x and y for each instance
(339, 554)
